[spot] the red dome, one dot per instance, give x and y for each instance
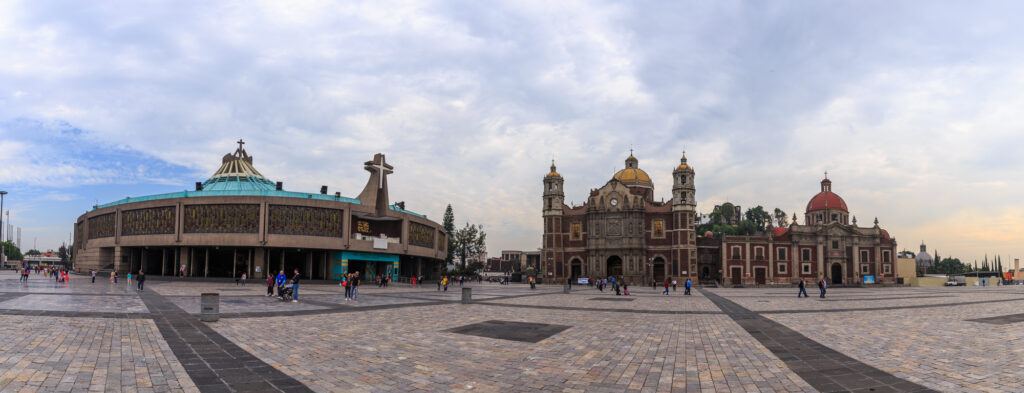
(826, 199)
(779, 231)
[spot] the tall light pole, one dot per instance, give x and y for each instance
(3, 246)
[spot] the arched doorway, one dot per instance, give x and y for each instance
(658, 269)
(837, 274)
(706, 273)
(614, 266)
(575, 268)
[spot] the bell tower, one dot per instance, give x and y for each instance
(684, 208)
(551, 245)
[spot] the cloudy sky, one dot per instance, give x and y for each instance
(913, 109)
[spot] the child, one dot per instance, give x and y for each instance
(625, 288)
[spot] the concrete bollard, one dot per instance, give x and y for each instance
(209, 307)
(467, 295)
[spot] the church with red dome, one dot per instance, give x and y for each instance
(827, 245)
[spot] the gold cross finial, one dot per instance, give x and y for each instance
(240, 143)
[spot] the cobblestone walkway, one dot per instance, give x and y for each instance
(102, 336)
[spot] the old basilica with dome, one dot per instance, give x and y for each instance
(622, 231)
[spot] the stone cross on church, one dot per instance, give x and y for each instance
(375, 193)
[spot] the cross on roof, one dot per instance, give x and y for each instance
(381, 167)
(240, 143)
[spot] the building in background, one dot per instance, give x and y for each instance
(240, 221)
(828, 245)
(620, 230)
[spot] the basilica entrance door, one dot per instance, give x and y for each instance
(576, 269)
(706, 275)
(737, 272)
(658, 270)
(614, 267)
(837, 274)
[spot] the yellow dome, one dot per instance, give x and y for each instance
(683, 166)
(634, 177)
(553, 173)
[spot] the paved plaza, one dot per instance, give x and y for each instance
(106, 337)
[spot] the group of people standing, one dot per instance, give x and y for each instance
(351, 283)
(279, 282)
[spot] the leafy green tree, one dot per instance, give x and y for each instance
(727, 213)
(12, 251)
(780, 218)
(449, 227)
(470, 242)
(63, 253)
(33, 252)
(759, 217)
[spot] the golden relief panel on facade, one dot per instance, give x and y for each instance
(576, 233)
(222, 218)
(304, 221)
(659, 228)
(102, 226)
(152, 221)
(421, 235)
(363, 227)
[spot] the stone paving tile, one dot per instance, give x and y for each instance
(645, 300)
(79, 284)
(240, 304)
(67, 302)
(80, 354)
(849, 299)
(389, 350)
(939, 349)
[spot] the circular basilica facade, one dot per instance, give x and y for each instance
(238, 221)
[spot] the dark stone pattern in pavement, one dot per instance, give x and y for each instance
(213, 362)
(824, 368)
(1001, 320)
(508, 330)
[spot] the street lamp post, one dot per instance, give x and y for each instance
(3, 246)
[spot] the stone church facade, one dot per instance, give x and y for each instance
(621, 230)
(828, 245)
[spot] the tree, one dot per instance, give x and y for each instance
(470, 243)
(759, 217)
(780, 218)
(12, 251)
(63, 253)
(33, 252)
(449, 227)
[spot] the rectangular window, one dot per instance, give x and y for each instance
(885, 257)
(806, 268)
(887, 269)
(863, 269)
(835, 244)
(806, 254)
(759, 252)
(782, 268)
(863, 255)
(835, 217)
(782, 254)
(736, 253)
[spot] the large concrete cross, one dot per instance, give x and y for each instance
(382, 168)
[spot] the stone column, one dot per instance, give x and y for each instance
(878, 264)
(856, 259)
(206, 264)
(771, 261)
(163, 261)
(258, 257)
(746, 246)
(281, 267)
(234, 263)
(309, 264)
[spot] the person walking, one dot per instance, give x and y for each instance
(673, 285)
(243, 279)
(270, 285)
(689, 284)
(115, 276)
(533, 283)
(93, 273)
(444, 283)
(348, 288)
(615, 285)
(625, 289)
(295, 286)
(439, 284)
(666, 286)
(803, 288)
(821, 287)
(129, 277)
(141, 279)
(354, 283)
(279, 281)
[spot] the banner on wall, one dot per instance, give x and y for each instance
(869, 279)
(582, 281)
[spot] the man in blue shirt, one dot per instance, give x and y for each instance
(688, 285)
(279, 280)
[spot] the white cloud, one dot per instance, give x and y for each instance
(914, 113)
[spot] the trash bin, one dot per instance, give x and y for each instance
(467, 295)
(565, 288)
(209, 307)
